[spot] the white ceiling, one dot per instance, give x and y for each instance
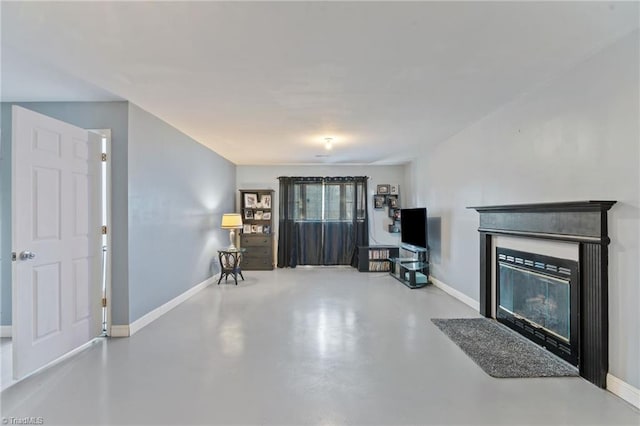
(266, 82)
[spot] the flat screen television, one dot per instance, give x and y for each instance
(413, 226)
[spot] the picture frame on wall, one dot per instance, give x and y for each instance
(246, 229)
(266, 229)
(248, 214)
(266, 216)
(383, 189)
(394, 189)
(254, 229)
(258, 215)
(378, 201)
(392, 201)
(250, 200)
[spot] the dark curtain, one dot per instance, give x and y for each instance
(322, 220)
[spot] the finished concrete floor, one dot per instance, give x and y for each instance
(325, 346)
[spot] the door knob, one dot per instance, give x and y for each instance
(26, 255)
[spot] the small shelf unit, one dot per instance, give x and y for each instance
(376, 258)
(257, 232)
(411, 266)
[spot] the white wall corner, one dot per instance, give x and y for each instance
(455, 293)
(5, 330)
(149, 317)
(624, 390)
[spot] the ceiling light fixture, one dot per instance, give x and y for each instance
(328, 143)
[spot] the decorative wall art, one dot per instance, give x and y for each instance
(250, 200)
(378, 201)
(266, 201)
(383, 189)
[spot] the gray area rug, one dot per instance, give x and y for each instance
(501, 352)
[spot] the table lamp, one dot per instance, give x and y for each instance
(231, 221)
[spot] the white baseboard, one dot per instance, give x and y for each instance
(455, 293)
(119, 331)
(624, 390)
(6, 330)
(147, 318)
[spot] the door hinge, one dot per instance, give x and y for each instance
(104, 230)
(104, 302)
(104, 156)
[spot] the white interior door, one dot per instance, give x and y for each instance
(56, 236)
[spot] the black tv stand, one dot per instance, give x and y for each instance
(411, 267)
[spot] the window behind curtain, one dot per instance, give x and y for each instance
(323, 219)
(307, 201)
(327, 201)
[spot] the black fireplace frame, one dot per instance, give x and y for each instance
(564, 269)
(581, 222)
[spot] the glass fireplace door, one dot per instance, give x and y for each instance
(537, 296)
(541, 299)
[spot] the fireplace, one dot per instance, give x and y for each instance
(537, 297)
(585, 340)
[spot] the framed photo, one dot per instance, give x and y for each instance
(258, 215)
(383, 189)
(266, 216)
(378, 201)
(393, 201)
(259, 229)
(266, 229)
(394, 189)
(246, 229)
(266, 201)
(391, 212)
(250, 200)
(254, 229)
(248, 214)
(396, 214)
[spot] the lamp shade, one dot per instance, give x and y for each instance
(231, 221)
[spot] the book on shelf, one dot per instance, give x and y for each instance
(379, 254)
(379, 266)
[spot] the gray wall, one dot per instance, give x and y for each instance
(178, 191)
(168, 195)
(88, 115)
(573, 138)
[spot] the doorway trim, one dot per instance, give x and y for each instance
(106, 135)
